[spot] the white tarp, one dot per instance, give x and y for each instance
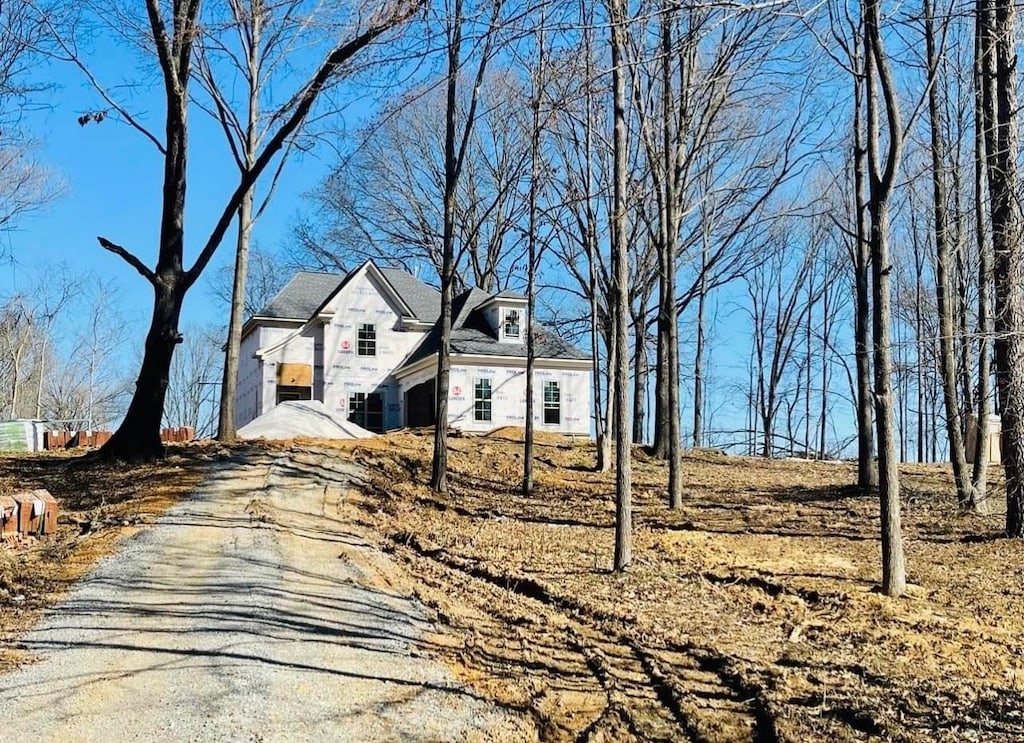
(302, 418)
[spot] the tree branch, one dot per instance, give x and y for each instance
(130, 259)
(303, 102)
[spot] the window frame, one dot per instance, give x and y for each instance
(483, 403)
(359, 411)
(370, 339)
(552, 405)
(506, 316)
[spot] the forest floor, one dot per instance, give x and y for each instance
(750, 615)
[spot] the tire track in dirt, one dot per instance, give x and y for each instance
(709, 700)
(656, 694)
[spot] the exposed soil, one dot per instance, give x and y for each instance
(100, 503)
(248, 612)
(750, 615)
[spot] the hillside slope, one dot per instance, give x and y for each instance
(751, 614)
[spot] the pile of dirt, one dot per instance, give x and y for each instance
(302, 418)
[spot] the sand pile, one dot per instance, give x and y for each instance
(302, 418)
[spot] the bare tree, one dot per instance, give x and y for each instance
(943, 271)
(458, 130)
(88, 387)
(253, 50)
(617, 18)
(170, 34)
(533, 250)
(997, 49)
(882, 169)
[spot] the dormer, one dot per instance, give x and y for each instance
(506, 314)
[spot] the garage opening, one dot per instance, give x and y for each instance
(419, 405)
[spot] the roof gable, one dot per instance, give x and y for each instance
(302, 296)
(472, 334)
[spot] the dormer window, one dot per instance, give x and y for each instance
(511, 324)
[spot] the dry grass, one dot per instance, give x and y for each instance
(751, 614)
(100, 503)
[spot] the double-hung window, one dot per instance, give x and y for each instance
(366, 340)
(482, 400)
(511, 323)
(552, 404)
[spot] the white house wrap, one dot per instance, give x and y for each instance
(366, 345)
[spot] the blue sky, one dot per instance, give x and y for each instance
(112, 178)
(113, 175)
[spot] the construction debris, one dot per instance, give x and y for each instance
(302, 418)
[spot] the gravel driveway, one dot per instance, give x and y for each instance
(247, 613)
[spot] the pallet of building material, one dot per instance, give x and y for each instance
(37, 512)
(8, 517)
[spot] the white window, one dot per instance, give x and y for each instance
(511, 323)
(482, 400)
(366, 340)
(552, 404)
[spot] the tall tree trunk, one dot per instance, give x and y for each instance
(1001, 145)
(640, 376)
(252, 24)
(620, 290)
(882, 178)
(867, 470)
(669, 143)
(138, 436)
(531, 238)
(698, 367)
(226, 423)
(982, 78)
(439, 474)
(826, 331)
(947, 329)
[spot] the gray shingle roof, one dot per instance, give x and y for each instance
(302, 296)
(423, 300)
(472, 334)
(509, 294)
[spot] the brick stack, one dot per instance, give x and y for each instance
(181, 434)
(27, 514)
